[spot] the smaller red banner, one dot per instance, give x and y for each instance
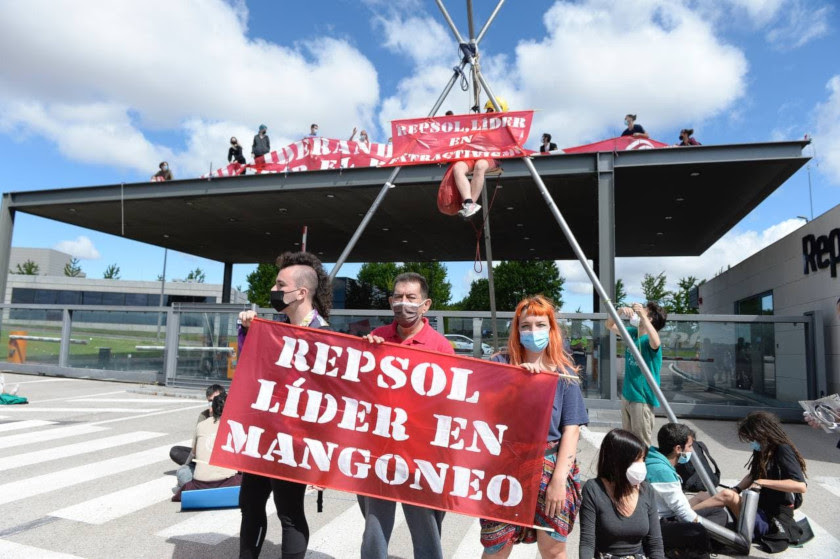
(420, 141)
(622, 143)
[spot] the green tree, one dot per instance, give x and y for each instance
(678, 302)
(515, 280)
(653, 288)
(72, 268)
(620, 294)
(440, 290)
(379, 275)
(112, 272)
(196, 276)
(260, 282)
(28, 268)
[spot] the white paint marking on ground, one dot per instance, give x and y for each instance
(119, 503)
(824, 543)
(34, 409)
(470, 545)
(67, 398)
(832, 484)
(45, 380)
(12, 550)
(18, 425)
(38, 485)
(144, 416)
(595, 438)
(49, 454)
(48, 435)
(342, 535)
(162, 400)
(210, 527)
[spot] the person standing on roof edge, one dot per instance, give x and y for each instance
(302, 292)
(470, 190)
(409, 302)
(313, 131)
(633, 129)
(262, 144)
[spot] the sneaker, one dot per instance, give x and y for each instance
(469, 210)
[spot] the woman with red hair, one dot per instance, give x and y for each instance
(536, 345)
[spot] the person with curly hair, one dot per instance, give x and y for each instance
(536, 345)
(303, 294)
(776, 470)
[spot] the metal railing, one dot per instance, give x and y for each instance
(713, 365)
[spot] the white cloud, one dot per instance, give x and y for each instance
(729, 250)
(801, 23)
(827, 137)
(423, 39)
(112, 85)
(82, 247)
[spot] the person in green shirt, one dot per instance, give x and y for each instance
(638, 398)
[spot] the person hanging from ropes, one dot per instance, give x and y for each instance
(471, 189)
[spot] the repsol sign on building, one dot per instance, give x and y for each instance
(821, 252)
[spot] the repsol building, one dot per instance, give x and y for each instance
(798, 275)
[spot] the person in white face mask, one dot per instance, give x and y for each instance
(409, 302)
(618, 515)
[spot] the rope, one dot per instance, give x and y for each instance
(478, 264)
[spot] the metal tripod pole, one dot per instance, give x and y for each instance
(489, 253)
(596, 283)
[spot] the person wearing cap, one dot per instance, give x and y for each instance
(470, 190)
(262, 144)
(164, 174)
(687, 138)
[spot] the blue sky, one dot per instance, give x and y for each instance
(99, 95)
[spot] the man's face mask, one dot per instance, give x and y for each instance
(407, 313)
(278, 299)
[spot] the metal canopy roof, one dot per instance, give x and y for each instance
(668, 202)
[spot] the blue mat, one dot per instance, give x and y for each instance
(219, 498)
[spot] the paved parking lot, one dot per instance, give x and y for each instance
(86, 473)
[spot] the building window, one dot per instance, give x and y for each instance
(757, 304)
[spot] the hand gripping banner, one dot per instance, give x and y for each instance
(385, 420)
(419, 141)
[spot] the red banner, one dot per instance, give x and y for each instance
(622, 143)
(313, 154)
(386, 420)
(442, 139)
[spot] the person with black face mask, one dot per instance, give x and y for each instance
(302, 293)
(235, 152)
(410, 301)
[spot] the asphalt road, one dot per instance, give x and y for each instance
(85, 473)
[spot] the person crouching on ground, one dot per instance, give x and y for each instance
(207, 476)
(777, 471)
(682, 531)
(536, 345)
(470, 190)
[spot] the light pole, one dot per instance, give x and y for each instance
(162, 286)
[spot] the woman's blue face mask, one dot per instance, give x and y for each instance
(534, 340)
(755, 445)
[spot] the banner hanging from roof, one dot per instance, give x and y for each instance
(419, 141)
(312, 154)
(622, 143)
(387, 420)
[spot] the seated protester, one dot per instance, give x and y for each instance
(682, 533)
(206, 475)
(633, 129)
(777, 471)
(183, 455)
(618, 516)
(164, 174)
(687, 137)
(470, 190)
(547, 145)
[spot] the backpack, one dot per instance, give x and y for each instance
(690, 479)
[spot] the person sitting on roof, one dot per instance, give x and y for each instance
(164, 174)
(363, 136)
(470, 190)
(633, 129)
(687, 138)
(547, 145)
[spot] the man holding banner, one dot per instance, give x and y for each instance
(410, 301)
(302, 292)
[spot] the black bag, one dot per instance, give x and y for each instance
(690, 479)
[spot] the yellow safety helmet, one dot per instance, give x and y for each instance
(502, 103)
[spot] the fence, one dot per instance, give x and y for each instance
(713, 365)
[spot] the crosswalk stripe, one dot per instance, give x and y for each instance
(35, 409)
(75, 449)
(209, 527)
(19, 439)
(38, 485)
(12, 550)
(119, 503)
(832, 484)
(824, 543)
(343, 534)
(28, 424)
(595, 438)
(138, 400)
(470, 546)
